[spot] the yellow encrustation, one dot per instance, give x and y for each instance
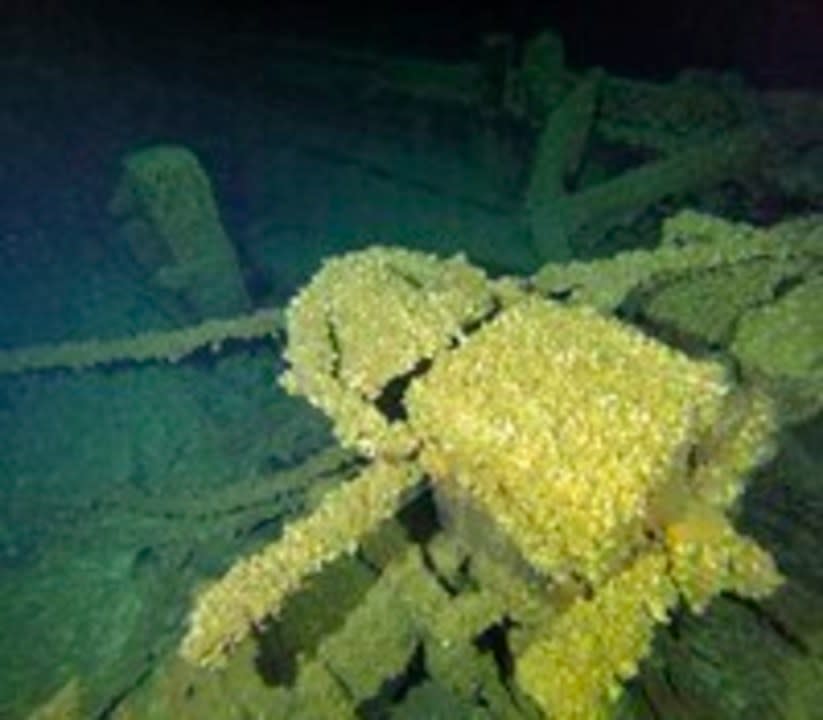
(158, 345)
(257, 586)
(608, 461)
(575, 668)
(564, 425)
(372, 316)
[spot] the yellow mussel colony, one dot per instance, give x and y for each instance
(607, 463)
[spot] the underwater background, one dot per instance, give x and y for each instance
(164, 166)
